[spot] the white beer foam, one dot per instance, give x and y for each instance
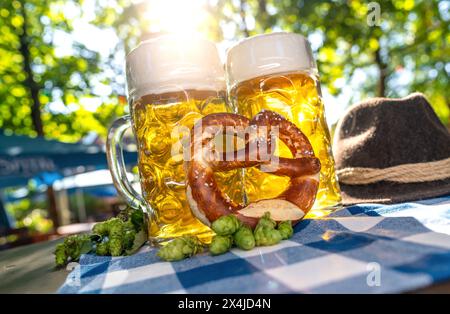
(268, 54)
(171, 63)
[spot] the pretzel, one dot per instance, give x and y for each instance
(205, 198)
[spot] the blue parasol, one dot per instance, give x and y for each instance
(22, 158)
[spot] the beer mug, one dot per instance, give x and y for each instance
(172, 82)
(277, 72)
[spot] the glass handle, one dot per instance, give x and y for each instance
(114, 153)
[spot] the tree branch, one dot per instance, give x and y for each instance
(263, 16)
(30, 83)
(382, 68)
(242, 14)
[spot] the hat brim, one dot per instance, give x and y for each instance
(391, 192)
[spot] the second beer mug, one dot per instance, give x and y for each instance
(172, 82)
(277, 72)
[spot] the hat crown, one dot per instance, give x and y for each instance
(381, 133)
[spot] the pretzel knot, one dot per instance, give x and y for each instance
(208, 202)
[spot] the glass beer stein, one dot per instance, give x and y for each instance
(277, 72)
(172, 82)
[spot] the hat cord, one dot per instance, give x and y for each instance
(406, 173)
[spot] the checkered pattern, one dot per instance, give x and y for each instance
(361, 249)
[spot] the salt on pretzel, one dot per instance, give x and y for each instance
(205, 198)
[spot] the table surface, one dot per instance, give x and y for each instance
(30, 269)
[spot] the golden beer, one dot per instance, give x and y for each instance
(172, 82)
(160, 121)
(285, 80)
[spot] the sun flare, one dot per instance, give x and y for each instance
(175, 16)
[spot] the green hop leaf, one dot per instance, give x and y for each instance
(265, 232)
(116, 232)
(286, 229)
(139, 240)
(101, 228)
(60, 255)
(102, 248)
(220, 244)
(244, 239)
(72, 248)
(266, 221)
(180, 248)
(226, 225)
(137, 218)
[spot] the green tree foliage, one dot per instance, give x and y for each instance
(406, 50)
(35, 77)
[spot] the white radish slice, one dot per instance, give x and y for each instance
(279, 210)
(194, 207)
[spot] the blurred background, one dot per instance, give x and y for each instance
(62, 83)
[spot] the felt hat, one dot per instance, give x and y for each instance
(392, 150)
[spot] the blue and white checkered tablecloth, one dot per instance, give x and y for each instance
(369, 248)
